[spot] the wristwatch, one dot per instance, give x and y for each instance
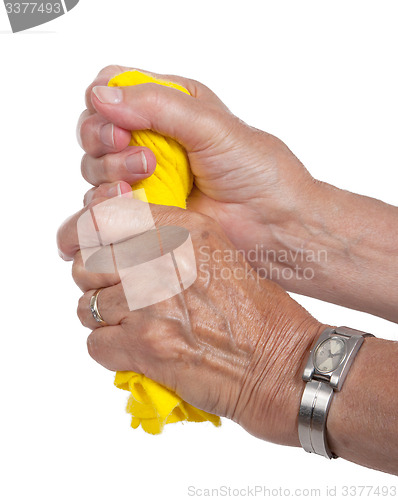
(327, 367)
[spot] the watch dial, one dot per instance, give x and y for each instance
(329, 354)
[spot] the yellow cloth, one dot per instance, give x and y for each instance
(172, 180)
(151, 404)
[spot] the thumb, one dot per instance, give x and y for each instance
(170, 112)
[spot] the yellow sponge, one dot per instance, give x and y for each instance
(151, 404)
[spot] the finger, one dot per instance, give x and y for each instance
(67, 234)
(195, 88)
(98, 137)
(83, 117)
(102, 78)
(81, 231)
(163, 109)
(106, 190)
(111, 304)
(87, 280)
(131, 165)
(109, 347)
(108, 220)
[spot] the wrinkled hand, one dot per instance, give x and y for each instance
(231, 344)
(246, 179)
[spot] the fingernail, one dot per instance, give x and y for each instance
(113, 191)
(107, 135)
(108, 95)
(137, 163)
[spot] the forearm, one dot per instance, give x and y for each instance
(340, 247)
(362, 425)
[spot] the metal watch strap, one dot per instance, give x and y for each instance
(314, 408)
(319, 390)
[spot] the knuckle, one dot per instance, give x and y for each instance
(84, 131)
(154, 97)
(110, 69)
(61, 243)
(80, 120)
(83, 167)
(76, 272)
(82, 310)
(88, 196)
(95, 202)
(196, 83)
(164, 343)
(92, 346)
(79, 273)
(108, 164)
(154, 343)
(194, 87)
(88, 94)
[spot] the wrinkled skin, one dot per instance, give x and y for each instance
(237, 347)
(246, 179)
(234, 346)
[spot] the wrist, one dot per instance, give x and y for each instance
(344, 239)
(290, 250)
(365, 407)
(270, 397)
(297, 221)
(290, 395)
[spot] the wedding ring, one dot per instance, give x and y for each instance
(94, 308)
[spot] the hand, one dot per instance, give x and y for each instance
(231, 344)
(297, 231)
(246, 179)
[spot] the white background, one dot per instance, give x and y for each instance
(320, 75)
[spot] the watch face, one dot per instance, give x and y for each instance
(329, 354)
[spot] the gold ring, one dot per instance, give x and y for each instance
(94, 308)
